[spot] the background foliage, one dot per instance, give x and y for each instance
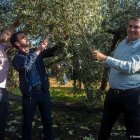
(80, 25)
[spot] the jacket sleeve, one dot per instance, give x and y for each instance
(50, 52)
(24, 62)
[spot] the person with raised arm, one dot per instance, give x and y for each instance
(4, 68)
(34, 83)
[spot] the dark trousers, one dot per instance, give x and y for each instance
(117, 102)
(3, 112)
(42, 100)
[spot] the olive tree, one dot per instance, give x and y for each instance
(80, 26)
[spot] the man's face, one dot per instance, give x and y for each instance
(5, 36)
(22, 40)
(133, 30)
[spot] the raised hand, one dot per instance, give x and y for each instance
(17, 22)
(42, 46)
(44, 43)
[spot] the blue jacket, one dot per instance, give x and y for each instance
(23, 63)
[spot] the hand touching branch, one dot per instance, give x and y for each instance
(12, 27)
(98, 55)
(42, 46)
(6, 34)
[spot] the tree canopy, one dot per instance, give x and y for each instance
(77, 24)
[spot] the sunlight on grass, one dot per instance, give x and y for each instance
(90, 137)
(60, 94)
(16, 91)
(66, 94)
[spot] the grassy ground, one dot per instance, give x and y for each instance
(71, 119)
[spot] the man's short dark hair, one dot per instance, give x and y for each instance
(136, 18)
(14, 39)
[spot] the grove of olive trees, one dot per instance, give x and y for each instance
(80, 25)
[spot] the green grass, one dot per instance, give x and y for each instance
(16, 91)
(67, 95)
(60, 94)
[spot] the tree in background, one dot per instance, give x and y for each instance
(80, 26)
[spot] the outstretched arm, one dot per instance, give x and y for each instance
(6, 34)
(132, 65)
(50, 52)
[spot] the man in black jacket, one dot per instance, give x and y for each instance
(34, 83)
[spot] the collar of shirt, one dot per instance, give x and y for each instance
(132, 42)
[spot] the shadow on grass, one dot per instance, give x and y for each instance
(68, 123)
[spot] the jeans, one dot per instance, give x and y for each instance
(116, 103)
(3, 112)
(43, 101)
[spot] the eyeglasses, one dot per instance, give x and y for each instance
(135, 27)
